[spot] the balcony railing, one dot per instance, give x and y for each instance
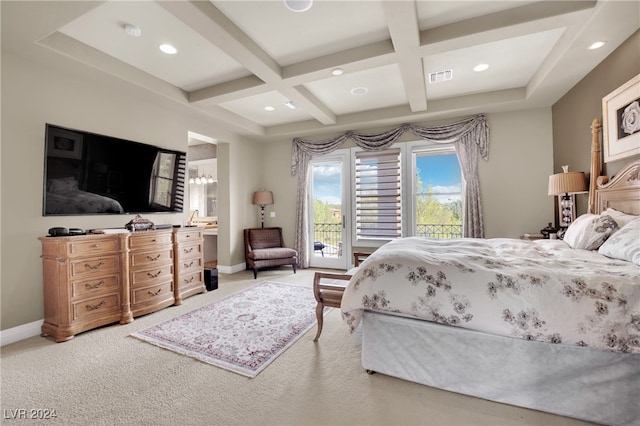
(439, 231)
(327, 237)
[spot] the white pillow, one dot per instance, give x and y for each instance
(624, 244)
(621, 218)
(589, 231)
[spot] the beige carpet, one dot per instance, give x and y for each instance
(105, 377)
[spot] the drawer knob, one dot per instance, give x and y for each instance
(94, 267)
(189, 280)
(152, 275)
(95, 246)
(188, 265)
(94, 307)
(152, 258)
(188, 250)
(96, 285)
(154, 293)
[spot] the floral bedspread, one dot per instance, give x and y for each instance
(536, 290)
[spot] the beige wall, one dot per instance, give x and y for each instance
(574, 112)
(33, 95)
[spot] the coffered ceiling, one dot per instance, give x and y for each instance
(235, 58)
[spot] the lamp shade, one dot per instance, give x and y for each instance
(567, 183)
(262, 198)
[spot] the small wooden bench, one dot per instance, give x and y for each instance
(328, 289)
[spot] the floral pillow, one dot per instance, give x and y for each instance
(621, 218)
(589, 231)
(624, 244)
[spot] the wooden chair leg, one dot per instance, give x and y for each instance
(320, 317)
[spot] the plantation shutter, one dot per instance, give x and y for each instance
(378, 195)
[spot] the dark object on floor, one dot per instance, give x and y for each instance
(211, 279)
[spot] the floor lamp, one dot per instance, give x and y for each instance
(563, 184)
(262, 198)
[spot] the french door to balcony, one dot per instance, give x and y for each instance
(329, 232)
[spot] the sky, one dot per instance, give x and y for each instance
(441, 171)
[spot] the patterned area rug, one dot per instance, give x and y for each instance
(243, 332)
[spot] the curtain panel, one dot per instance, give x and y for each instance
(469, 136)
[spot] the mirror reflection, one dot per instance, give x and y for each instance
(203, 188)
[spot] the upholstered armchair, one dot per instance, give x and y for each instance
(264, 248)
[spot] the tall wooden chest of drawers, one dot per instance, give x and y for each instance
(151, 271)
(189, 262)
(83, 283)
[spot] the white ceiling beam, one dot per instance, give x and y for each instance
(402, 20)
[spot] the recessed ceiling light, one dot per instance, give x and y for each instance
(269, 108)
(290, 105)
(481, 67)
(168, 49)
(359, 91)
(597, 45)
(133, 30)
(298, 5)
(337, 71)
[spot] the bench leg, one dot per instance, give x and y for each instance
(320, 317)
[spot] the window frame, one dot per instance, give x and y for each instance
(413, 148)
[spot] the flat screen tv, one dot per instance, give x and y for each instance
(89, 174)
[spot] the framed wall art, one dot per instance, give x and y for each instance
(621, 121)
(64, 143)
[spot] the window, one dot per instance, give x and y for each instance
(163, 184)
(413, 189)
(378, 195)
(437, 193)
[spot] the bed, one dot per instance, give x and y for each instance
(64, 197)
(552, 325)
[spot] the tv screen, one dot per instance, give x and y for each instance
(87, 173)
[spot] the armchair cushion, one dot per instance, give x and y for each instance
(272, 253)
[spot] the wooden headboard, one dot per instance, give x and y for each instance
(622, 191)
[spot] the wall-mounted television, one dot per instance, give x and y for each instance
(90, 174)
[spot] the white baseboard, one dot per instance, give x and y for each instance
(21, 332)
(231, 269)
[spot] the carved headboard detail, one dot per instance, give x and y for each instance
(622, 192)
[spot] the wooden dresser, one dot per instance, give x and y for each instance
(94, 280)
(83, 283)
(189, 262)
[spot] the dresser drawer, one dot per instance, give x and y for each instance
(152, 295)
(150, 258)
(190, 251)
(187, 235)
(186, 281)
(190, 265)
(152, 238)
(93, 247)
(142, 277)
(96, 306)
(96, 286)
(96, 266)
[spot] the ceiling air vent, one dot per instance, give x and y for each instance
(436, 77)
